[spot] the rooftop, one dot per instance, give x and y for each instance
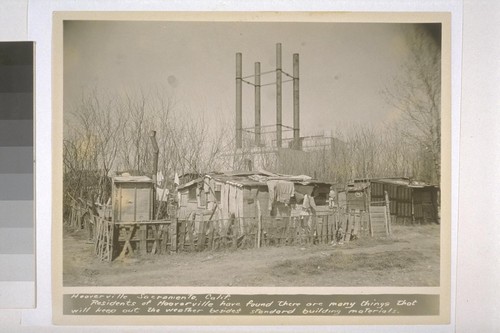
(251, 178)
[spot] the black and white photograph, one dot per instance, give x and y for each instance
(255, 153)
(270, 166)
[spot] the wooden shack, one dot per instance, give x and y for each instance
(235, 194)
(132, 198)
(410, 201)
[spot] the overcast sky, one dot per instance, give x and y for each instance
(343, 66)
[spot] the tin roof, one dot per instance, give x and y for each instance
(251, 178)
(401, 181)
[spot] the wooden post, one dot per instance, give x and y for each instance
(369, 214)
(388, 214)
(201, 234)
(210, 234)
(412, 210)
(337, 219)
(357, 223)
(164, 237)
(259, 222)
(111, 244)
(143, 242)
(174, 235)
(216, 233)
(190, 230)
(156, 245)
(232, 223)
(97, 237)
(181, 232)
(324, 229)
(347, 237)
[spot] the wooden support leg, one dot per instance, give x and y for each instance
(156, 248)
(129, 231)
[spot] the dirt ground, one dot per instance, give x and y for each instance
(409, 258)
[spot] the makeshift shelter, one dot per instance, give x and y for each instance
(245, 193)
(132, 198)
(410, 201)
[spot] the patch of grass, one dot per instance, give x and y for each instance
(371, 241)
(338, 261)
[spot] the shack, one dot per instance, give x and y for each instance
(132, 198)
(410, 201)
(246, 193)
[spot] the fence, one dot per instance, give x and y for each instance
(103, 237)
(249, 232)
(118, 239)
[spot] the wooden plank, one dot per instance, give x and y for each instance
(190, 234)
(283, 230)
(259, 222)
(156, 248)
(332, 227)
(104, 240)
(182, 234)
(388, 215)
(224, 226)
(142, 239)
(347, 236)
(110, 241)
(293, 230)
(216, 234)
(355, 224)
(173, 235)
(97, 233)
(201, 234)
(164, 237)
(290, 231)
(313, 230)
(234, 233)
(324, 229)
(210, 234)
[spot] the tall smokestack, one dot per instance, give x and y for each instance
(278, 96)
(296, 105)
(257, 104)
(239, 117)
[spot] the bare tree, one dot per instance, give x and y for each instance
(416, 92)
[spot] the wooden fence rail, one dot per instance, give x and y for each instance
(118, 239)
(249, 232)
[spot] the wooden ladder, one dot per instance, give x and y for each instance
(379, 221)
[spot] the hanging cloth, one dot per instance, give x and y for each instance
(284, 191)
(271, 186)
